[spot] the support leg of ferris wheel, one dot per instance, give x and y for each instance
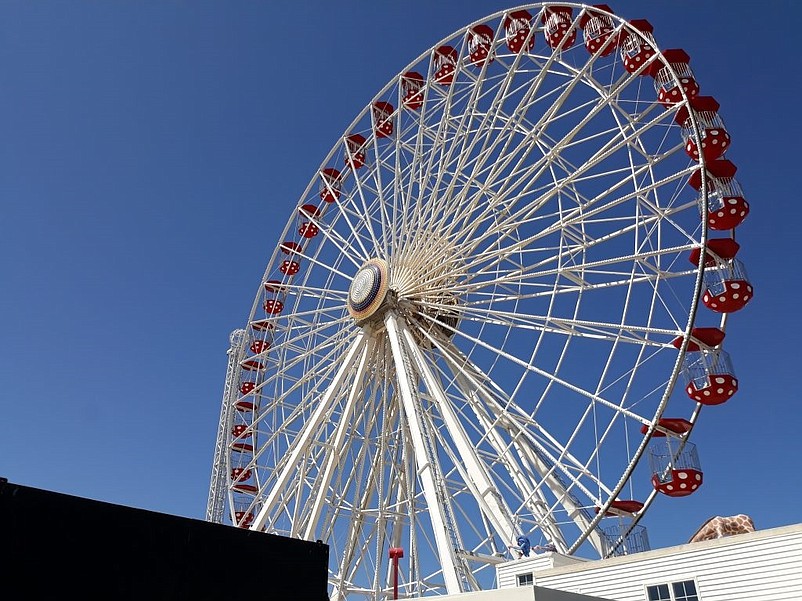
(301, 443)
(536, 502)
(473, 470)
(333, 459)
(527, 457)
(442, 526)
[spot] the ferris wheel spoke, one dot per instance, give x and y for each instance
(327, 352)
(538, 371)
(360, 532)
(354, 480)
(513, 418)
(384, 193)
(304, 324)
(530, 274)
(536, 472)
(532, 496)
(443, 527)
(361, 217)
(434, 165)
(576, 174)
(313, 292)
(476, 164)
(331, 234)
(300, 444)
(573, 508)
(525, 483)
(502, 139)
(305, 336)
(538, 127)
(472, 470)
(335, 459)
(563, 326)
(454, 147)
(275, 419)
(533, 173)
(354, 514)
(589, 211)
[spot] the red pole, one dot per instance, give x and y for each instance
(395, 554)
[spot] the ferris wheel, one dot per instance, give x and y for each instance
(471, 328)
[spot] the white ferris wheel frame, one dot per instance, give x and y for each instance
(433, 251)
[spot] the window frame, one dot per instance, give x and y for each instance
(525, 579)
(669, 584)
(655, 586)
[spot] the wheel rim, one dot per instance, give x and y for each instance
(531, 218)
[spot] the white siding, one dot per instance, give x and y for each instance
(507, 574)
(760, 566)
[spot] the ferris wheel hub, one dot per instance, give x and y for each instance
(368, 289)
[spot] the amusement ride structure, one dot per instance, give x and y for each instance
(505, 288)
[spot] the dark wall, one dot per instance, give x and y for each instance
(54, 545)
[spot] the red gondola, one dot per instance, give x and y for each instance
(330, 184)
(727, 287)
(676, 471)
(355, 146)
(598, 29)
(517, 29)
(445, 65)
(252, 365)
(480, 44)
(243, 519)
(383, 119)
(726, 205)
(412, 90)
(668, 91)
(708, 337)
(636, 49)
(259, 346)
(306, 226)
(624, 507)
(714, 136)
(709, 376)
(557, 25)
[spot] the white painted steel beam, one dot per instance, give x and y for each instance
(302, 442)
(338, 444)
(426, 463)
(473, 471)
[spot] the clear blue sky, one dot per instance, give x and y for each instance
(151, 153)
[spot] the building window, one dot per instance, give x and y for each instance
(526, 579)
(684, 590)
(658, 592)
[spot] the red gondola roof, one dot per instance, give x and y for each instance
(290, 247)
(550, 10)
(723, 248)
(309, 210)
(262, 325)
(700, 103)
(719, 169)
(515, 15)
(642, 25)
(590, 13)
(677, 425)
(708, 336)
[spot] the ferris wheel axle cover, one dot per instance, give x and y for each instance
(368, 289)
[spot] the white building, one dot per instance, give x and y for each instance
(765, 565)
